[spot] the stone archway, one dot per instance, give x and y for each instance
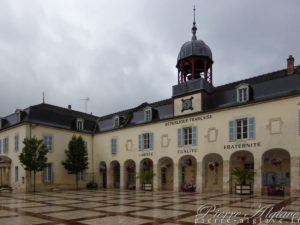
(187, 172)
(276, 168)
(212, 173)
(103, 175)
(115, 174)
(130, 174)
(5, 164)
(240, 159)
(145, 165)
(165, 172)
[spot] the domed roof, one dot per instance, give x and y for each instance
(194, 48)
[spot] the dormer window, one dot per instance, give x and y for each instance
(80, 124)
(116, 121)
(18, 115)
(242, 93)
(148, 114)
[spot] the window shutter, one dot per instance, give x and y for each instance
(112, 146)
(140, 142)
(194, 135)
(50, 143)
(151, 140)
(16, 174)
(231, 130)
(7, 145)
(116, 145)
(179, 137)
(251, 127)
(299, 122)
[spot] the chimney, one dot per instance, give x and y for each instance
(290, 65)
(69, 107)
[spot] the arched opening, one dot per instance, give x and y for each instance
(115, 171)
(187, 70)
(5, 163)
(212, 173)
(103, 175)
(146, 174)
(241, 160)
(165, 173)
(276, 166)
(130, 174)
(187, 173)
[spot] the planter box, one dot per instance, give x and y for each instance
(275, 192)
(243, 189)
(147, 187)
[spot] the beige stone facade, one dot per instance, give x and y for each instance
(276, 136)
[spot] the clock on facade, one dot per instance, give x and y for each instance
(187, 104)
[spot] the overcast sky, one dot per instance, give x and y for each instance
(123, 53)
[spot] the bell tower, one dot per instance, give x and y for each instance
(194, 59)
(194, 65)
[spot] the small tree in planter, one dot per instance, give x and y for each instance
(146, 177)
(243, 175)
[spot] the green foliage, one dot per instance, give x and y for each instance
(76, 160)
(146, 176)
(243, 175)
(33, 155)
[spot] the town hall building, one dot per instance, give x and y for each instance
(191, 141)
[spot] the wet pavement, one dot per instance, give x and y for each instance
(139, 207)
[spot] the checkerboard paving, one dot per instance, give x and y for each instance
(131, 207)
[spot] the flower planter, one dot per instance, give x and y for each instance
(147, 187)
(243, 189)
(275, 191)
(188, 188)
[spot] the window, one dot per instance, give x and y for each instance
(80, 124)
(5, 145)
(48, 142)
(81, 176)
(114, 146)
(16, 174)
(146, 141)
(148, 114)
(18, 115)
(242, 93)
(242, 129)
(299, 121)
(16, 142)
(187, 136)
(116, 120)
(0, 146)
(47, 173)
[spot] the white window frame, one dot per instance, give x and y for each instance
(49, 145)
(242, 93)
(116, 121)
(187, 135)
(80, 124)
(240, 132)
(148, 114)
(146, 141)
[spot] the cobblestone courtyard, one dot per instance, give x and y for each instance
(131, 207)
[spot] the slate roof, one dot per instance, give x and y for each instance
(264, 87)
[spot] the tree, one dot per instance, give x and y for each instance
(33, 157)
(77, 159)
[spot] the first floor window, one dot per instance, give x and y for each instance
(114, 146)
(47, 173)
(81, 176)
(5, 145)
(187, 136)
(48, 142)
(242, 129)
(16, 143)
(146, 141)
